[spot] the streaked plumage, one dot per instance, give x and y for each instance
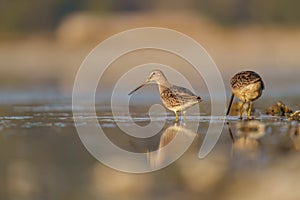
(244, 78)
(174, 98)
(246, 86)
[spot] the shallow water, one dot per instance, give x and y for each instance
(42, 157)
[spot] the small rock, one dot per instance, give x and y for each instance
(295, 116)
(279, 109)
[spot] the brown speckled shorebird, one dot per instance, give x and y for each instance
(174, 98)
(246, 86)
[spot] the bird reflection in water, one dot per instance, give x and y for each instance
(245, 141)
(172, 144)
(294, 134)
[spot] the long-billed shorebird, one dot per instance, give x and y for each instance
(246, 86)
(174, 98)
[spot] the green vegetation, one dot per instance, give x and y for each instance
(45, 15)
(257, 11)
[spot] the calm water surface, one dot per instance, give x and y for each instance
(42, 157)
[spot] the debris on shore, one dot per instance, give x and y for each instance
(295, 116)
(279, 109)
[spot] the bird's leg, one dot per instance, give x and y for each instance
(250, 109)
(176, 120)
(241, 110)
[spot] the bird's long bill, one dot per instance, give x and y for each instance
(137, 88)
(230, 103)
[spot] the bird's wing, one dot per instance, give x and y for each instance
(184, 93)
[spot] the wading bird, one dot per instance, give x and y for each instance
(174, 98)
(247, 86)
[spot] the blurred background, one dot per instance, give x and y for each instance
(42, 44)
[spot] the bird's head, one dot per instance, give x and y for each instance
(155, 75)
